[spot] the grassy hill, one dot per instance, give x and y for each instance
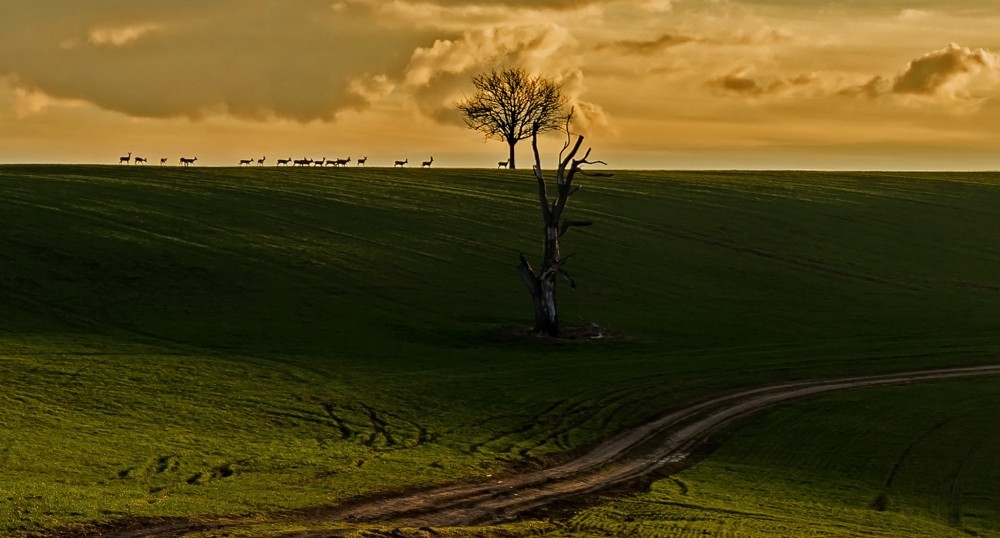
(224, 341)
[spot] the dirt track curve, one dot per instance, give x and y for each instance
(631, 455)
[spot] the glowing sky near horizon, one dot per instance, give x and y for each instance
(854, 84)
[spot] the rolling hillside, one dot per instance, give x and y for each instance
(178, 342)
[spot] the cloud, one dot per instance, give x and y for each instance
(439, 75)
(29, 102)
(120, 35)
(911, 14)
(648, 47)
(250, 59)
(955, 75)
(740, 83)
(372, 87)
(948, 72)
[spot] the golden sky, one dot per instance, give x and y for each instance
(891, 84)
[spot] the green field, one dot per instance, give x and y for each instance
(222, 341)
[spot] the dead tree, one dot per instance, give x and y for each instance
(542, 284)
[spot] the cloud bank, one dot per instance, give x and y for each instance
(955, 75)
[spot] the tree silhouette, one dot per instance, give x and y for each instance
(511, 105)
(542, 285)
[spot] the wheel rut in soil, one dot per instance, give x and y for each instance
(623, 459)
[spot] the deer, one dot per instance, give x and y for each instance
(260, 161)
(343, 162)
(401, 163)
(139, 160)
(427, 164)
(284, 161)
(125, 159)
(502, 164)
(245, 162)
(163, 161)
(188, 162)
(320, 162)
(331, 162)
(302, 162)
(362, 161)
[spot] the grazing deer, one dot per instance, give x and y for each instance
(319, 163)
(125, 159)
(188, 162)
(502, 164)
(260, 161)
(284, 161)
(427, 163)
(343, 162)
(302, 162)
(245, 162)
(362, 161)
(163, 161)
(139, 160)
(401, 163)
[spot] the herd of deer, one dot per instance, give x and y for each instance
(185, 161)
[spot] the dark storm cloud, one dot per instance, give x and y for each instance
(254, 59)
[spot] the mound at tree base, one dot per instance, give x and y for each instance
(569, 333)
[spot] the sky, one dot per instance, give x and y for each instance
(659, 84)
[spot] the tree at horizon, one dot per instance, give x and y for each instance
(511, 105)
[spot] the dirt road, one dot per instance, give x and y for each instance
(633, 454)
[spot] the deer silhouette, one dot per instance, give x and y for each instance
(302, 162)
(163, 161)
(125, 159)
(141, 160)
(401, 163)
(502, 164)
(260, 161)
(245, 162)
(362, 161)
(427, 163)
(188, 162)
(284, 161)
(343, 162)
(320, 162)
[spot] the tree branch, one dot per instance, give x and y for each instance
(527, 274)
(543, 198)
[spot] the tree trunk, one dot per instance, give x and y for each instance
(510, 156)
(542, 285)
(543, 297)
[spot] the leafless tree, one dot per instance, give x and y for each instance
(511, 105)
(542, 284)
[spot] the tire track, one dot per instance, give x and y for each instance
(638, 452)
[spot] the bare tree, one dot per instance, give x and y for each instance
(510, 105)
(542, 284)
